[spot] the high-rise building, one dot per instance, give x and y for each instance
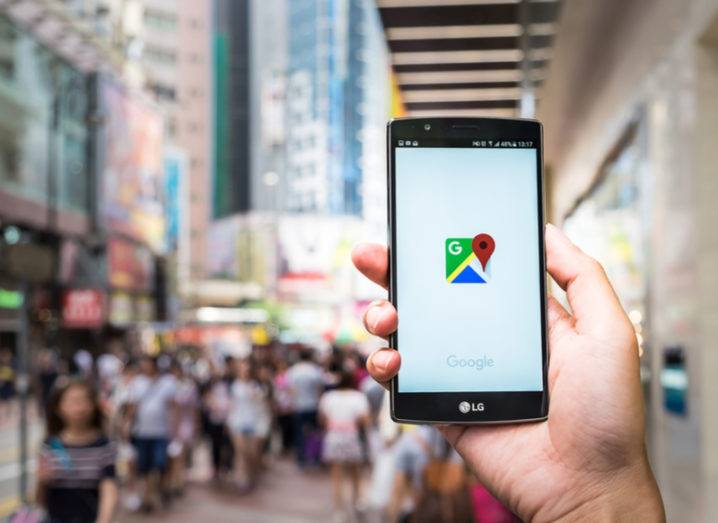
(175, 39)
(332, 52)
(291, 104)
(167, 46)
(232, 108)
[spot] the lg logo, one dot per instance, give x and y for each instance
(465, 407)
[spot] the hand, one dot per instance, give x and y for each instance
(588, 461)
(45, 471)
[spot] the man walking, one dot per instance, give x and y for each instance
(306, 382)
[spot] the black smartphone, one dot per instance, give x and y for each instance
(467, 275)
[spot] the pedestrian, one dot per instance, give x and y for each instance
(283, 405)
(76, 464)
(343, 412)
(247, 424)
(306, 381)
(217, 403)
(266, 413)
(119, 405)
(152, 420)
(47, 373)
(109, 367)
(180, 450)
(7, 385)
(82, 364)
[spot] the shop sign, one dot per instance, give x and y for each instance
(121, 312)
(10, 299)
(83, 308)
(144, 308)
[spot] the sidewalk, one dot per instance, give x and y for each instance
(284, 495)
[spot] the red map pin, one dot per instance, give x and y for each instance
(483, 246)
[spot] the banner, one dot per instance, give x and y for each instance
(133, 167)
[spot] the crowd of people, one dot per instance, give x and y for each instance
(123, 433)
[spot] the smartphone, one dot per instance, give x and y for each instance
(467, 275)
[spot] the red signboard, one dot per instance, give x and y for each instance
(83, 308)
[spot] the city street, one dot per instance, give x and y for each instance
(9, 462)
(218, 218)
(284, 495)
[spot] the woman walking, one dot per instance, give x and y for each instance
(343, 412)
(217, 404)
(247, 423)
(76, 464)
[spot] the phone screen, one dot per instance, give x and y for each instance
(468, 268)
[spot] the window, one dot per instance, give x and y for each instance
(9, 162)
(163, 92)
(160, 19)
(160, 55)
(171, 128)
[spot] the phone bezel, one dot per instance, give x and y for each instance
(442, 407)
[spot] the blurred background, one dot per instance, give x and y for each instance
(185, 179)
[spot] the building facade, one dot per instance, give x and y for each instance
(232, 72)
(633, 180)
(176, 62)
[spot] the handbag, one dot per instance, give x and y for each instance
(28, 514)
(444, 476)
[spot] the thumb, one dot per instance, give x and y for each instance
(595, 306)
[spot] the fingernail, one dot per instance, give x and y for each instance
(373, 314)
(381, 360)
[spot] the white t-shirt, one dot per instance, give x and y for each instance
(109, 367)
(343, 409)
(307, 382)
(153, 399)
(246, 409)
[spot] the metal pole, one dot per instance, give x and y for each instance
(23, 386)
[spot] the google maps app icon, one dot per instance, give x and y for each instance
(468, 259)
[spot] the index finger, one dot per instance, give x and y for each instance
(372, 260)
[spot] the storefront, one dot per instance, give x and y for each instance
(45, 179)
(633, 180)
(132, 283)
(10, 305)
(609, 223)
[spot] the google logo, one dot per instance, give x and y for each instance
(478, 363)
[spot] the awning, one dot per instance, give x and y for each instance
(469, 57)
(53, 24)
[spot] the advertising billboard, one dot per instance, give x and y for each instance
(175, 173)
(243, 249)
(133, 185)
(314, 257)
(130, 266)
